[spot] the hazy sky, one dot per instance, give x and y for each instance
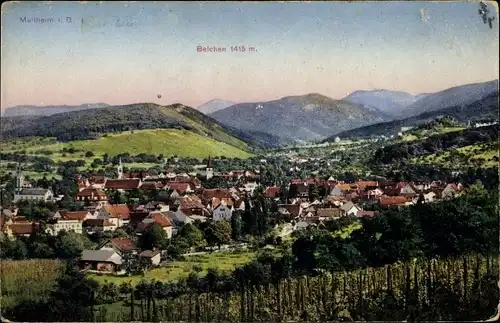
(328, 48)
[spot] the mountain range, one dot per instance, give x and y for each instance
(33, 110)
(389, 103)
(296, 118)
(214, 105)
(452, 97)
(486, 108)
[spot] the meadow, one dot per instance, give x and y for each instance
(28, 279)
(182, 268)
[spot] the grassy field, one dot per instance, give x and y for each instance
(28, 279)
(462, 156)
(168, 142)
(179, 269)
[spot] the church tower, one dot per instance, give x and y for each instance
(120, 169)
(209, 169)
(19, 178)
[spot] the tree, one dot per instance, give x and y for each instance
(218, 233)
(236, 225)
(192, 235)
(89, 154)
(154, 237)
(69, 245)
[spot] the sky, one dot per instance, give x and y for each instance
(129, 52)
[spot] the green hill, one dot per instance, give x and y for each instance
(92, 124)
(168, 142)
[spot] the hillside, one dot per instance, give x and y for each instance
(214, 105)
(33, 110)
(387, 102)
(458, 96)
(296, 118)
(484, 109)
(435, 144)
(168, 142)
(91, 124)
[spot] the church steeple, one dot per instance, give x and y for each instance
(120, 169)
(209, 171)
(19, 177)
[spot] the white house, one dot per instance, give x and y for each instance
(118, 214)
(350, 208)
(68, 221)
(34, 194)
(154, 256)
(222, 212)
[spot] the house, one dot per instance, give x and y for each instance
(364, 185)
(350, 208)
(67, 221)
(118, 214)
(179, 189)
(156, 217)
(272, 192)
(94, 195)
(20, 229)
(151, 186)
(154, 257)
(120, 245)
(293, 210)
(374, 193)
(122, 184)
(223, 209)
(361, 214)
(329, 213)
(340, 189)
(93, 225)
(393, 201)
(102, 261)
(430, 195)
(250, 187)
(33, 194)
(97, 181)
(449, 191)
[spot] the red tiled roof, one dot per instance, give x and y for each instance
(23, 228)
(151, 185)
(179, 187)
(190, 202)
(209, 194)
(89, 192)
(365, 213)
(329, 212)
(75, 215)
(120, 211)
(97, 179)
(294, 209)
(124, 244)
(161, 219)
(216, 202)
(273, 191)
(19, 219)
(122, 184)
(363, 184)
(393, 200)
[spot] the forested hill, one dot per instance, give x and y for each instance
(91, 124)
(486, 108)
(436, 143)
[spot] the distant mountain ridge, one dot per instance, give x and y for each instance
(486, 108)
(456, 96)
(296, 118)
(214, 105)
(388, 102)
(33, 110)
